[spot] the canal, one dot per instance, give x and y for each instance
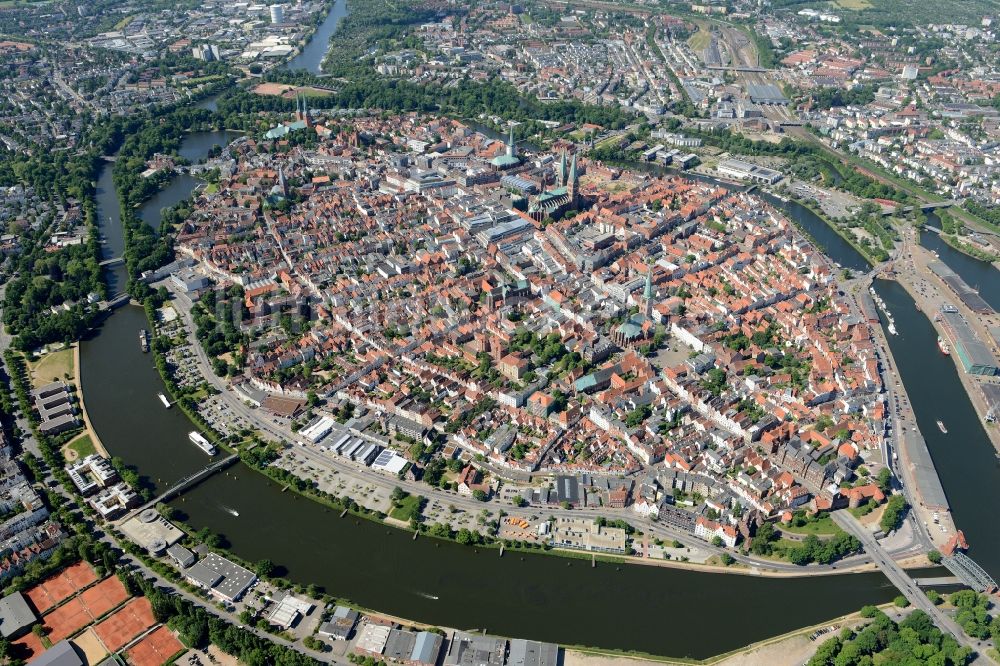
(980, 275)
(311, 56)
(965, 459)
(535, 596)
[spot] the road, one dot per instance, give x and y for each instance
(903, 582)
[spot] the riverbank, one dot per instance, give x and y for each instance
(88, 426)
(836, 228)
(792, 648)
(915, 464)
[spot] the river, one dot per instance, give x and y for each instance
(311, 56)
(534, 596)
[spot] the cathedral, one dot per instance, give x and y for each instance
(564, 197)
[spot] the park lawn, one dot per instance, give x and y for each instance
(855, 5)
(211, 188)
(823, 526)
(83, 445)
(406, 507)
(52, 367)
(700, 40)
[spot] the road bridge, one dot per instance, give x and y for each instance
(738, 68)
(116, 301)
(113, 261)
(898, 577)
(969, 572)
(925, 207)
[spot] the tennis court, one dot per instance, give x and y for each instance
(104, 596)
(154, 649)
(27, 647)
(66, 620)
(125, 624)
(61, 586)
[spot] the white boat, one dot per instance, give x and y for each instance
(199, 440)
(892, 328)
(163, 399)
(943, 346)
(941, 427)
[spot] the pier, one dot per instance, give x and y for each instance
(190, 480)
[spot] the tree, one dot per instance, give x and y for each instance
(934, 557)
(884, 479)
(519, 501)
(480, 494)
(264, 568)
(901, 601)
(398, 494)
(893, 514)
(727, 559)
(716, 541)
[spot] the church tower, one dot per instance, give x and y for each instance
(647, 293)
(571, 183)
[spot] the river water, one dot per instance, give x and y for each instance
(194, 148)
(311, 57)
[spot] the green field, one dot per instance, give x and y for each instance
(823, 526)
(52, 367)
(700, 40)
(406, 507)
(82, 445)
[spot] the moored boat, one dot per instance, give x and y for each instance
(199, 440)
(943, 346)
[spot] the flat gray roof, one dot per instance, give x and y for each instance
(532, 653)
(61, 654)
(15, 614)
(235, 579)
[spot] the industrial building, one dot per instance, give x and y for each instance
(221, 577)
(976, 358)
(746, 171)
(766, 93)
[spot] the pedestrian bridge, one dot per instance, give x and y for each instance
(190, 480)
(970, 573)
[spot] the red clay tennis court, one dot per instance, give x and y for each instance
(27, 647)
(104, 596)
(155, 649)
(127, 623)
(61, 586)
(68, 619)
